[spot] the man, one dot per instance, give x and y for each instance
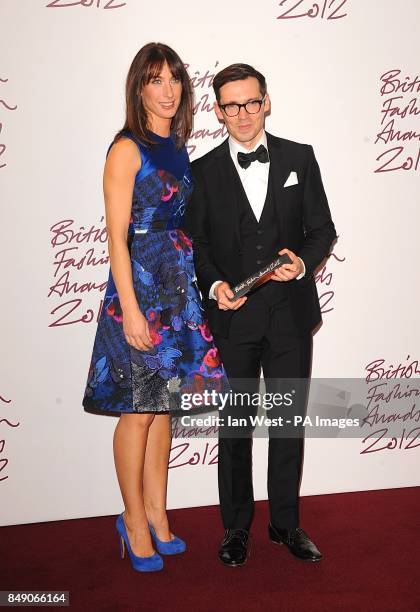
(256, 196)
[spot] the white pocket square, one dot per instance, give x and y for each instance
(292, 179)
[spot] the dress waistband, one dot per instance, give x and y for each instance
(156, 226)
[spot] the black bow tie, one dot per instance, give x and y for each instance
(246, 159)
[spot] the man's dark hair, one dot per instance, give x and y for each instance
(237, 72)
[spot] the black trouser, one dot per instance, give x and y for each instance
(264, 335)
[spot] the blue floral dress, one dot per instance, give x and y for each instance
(184, 358)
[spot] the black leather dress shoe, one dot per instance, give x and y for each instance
(297, 541)
(233, 550)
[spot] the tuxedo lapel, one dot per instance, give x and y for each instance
(228, 193)
(268, 196)
(279, 171)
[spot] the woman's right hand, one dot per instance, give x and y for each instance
(136, 330)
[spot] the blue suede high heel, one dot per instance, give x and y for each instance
(173, 547)
(154, 563)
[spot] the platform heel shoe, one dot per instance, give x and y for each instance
(154, 563)
(173, 547)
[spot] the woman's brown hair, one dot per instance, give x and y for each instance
(146, 66)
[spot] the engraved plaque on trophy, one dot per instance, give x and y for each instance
(258, 278)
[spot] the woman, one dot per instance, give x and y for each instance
(151, 332)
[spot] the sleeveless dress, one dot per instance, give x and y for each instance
(183, 359)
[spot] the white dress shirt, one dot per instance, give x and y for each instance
(254, 180)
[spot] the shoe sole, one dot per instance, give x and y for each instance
(147, 571)
(233, 564)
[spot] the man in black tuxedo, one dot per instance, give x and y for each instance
(255, 196)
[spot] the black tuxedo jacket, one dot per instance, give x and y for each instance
(303, 219)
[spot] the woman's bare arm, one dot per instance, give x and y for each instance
(122, 164)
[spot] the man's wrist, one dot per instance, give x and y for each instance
(212, 294)
(302, 274)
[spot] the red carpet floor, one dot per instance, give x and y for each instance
(370, 541)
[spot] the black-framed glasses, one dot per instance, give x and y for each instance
(252, 107)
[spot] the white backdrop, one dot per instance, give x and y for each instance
(62, 71)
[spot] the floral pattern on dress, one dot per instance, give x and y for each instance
(122, 378)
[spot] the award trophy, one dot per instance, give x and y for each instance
(258, 278)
